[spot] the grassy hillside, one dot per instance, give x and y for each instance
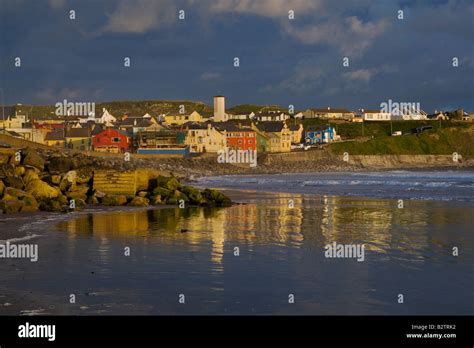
(379, 129)
(134, 108)
(436, 142)
(248, 108)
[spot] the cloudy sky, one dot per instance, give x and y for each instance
(282, 61)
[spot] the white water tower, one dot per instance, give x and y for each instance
(219, 109)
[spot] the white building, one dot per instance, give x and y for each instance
(241, 116)
(107, 118)
(271, 116)
(375, 115)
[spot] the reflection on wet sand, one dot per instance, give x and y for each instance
(281, 219)
(281, 238)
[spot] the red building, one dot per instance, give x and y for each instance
(111, 140)
(239, 138)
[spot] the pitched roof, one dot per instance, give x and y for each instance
(269, 113)
(367, 111)
(195, 125)
(97, 129)
(317, 128)
(226, 126)
(294, 127)
(54, 136)
(330, 110)
(134, 122)
(78, 133)
(271, 126)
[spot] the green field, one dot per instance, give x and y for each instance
(349, 130)
(447, 140)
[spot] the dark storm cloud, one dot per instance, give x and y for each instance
(282, 61)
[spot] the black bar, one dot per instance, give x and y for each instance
(221, 330)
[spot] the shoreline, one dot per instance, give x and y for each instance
(23, 302)
(196, 177)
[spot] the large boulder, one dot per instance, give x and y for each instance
(173, 184)
(19, 170)
(164, 193)
(84, 175)
(30, 202)
(60, 164)
(114, 200)
(4, 158)
(7, 170)
(14, 181)
(79, 192)
(41, 190)
(142, 179)
(16, 192)
(51, 204)
(15, 159)
(33, 159)
(194, 195)
(30, 175)
(216, 198)
(170, 183)
(139, 202)
(68, 182)
(10, 204)
(55, 179)
(156, 199)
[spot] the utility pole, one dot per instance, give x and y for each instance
(3, 109)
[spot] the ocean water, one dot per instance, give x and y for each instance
(433, 185)
(250, 258)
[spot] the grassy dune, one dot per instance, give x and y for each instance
(435, 142)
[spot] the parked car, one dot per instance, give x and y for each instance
(421, 129)
(297, 146)
(397, 133)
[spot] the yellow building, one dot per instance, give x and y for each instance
(273, 136)
(181, 119)
(204, 138)
(296, 133)
(79, 139)
(13, 122)
(54, 138)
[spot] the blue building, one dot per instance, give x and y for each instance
(319, 135)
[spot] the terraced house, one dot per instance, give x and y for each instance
(329, 113)
(272, 136)
(54, 138)
(79, 139)
(238, 138)
(204, 137)
(180, 119)
(111, 140)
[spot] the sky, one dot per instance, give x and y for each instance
(403, 56)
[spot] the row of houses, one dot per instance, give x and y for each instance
(191, 137)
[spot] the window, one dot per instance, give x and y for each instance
(250, 141)
(116, 140)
